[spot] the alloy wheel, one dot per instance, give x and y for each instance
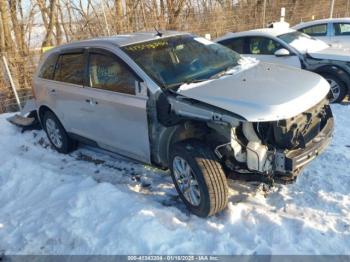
(54, 132)
(335, 90)
(186, 181)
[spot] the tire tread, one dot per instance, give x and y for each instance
(212, 171)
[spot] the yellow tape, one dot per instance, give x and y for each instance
(142, 46)
(46, 48)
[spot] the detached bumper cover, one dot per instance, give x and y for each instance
(295, 160)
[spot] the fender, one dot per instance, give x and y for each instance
(337, 71)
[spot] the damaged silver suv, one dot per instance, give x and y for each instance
(178, 101)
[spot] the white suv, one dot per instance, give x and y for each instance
(178, 101)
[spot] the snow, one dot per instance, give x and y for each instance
(90, 202)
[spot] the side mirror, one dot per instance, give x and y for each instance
(282, 52)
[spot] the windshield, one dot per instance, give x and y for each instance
(172, 61)
(303, 42)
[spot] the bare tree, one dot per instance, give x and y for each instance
(8, 45)
(119, 14)
(174, 8)
(52, 15)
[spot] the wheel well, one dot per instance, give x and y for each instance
(41, 114)
(185, 131)
(335, 71)
(42, 111)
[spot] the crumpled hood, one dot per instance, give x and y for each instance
(262, 92)
(333, 53)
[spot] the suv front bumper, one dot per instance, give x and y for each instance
(290, 163)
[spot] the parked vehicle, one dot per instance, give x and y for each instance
(287, 46)
(333, 31)
(178, 101)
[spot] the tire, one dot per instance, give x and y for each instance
(65, 144)
(338, 85)
(211, 183)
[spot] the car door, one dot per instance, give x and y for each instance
(264, 49)
(65, 90)
(341, 34)
(116, 115)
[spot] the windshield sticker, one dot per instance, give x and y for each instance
(147, 46)
(203, 41)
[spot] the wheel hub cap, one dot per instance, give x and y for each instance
(186, 181)
(54, 133)
(335, 90)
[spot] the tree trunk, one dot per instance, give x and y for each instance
(19, 34)
(119, 11)
(43, 11)
(52, 21)
(20, 53)
(174, 10)
(6, 26)
(2, 36)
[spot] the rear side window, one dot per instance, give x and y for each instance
(236, 44)
(107, 72)
(341, 29)
(70, 68)
(315, 30)
(48, 67)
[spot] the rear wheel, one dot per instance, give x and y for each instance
(198, 178)
(57, 134)
(338, 88)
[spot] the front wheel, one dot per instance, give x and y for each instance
(338, 88)
(198, 178)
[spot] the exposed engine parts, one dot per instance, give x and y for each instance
(268, 147)
(273, 150)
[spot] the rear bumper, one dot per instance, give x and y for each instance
(289, 164)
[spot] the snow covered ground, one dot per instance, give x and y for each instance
(93, 203)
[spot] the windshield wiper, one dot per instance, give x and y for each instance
(189, 81)
(194, 80)
(222, 73)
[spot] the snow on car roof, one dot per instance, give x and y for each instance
(322, 21)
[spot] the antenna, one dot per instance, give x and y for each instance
(158, 32)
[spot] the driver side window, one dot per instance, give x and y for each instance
(262, 46)
(109, 73)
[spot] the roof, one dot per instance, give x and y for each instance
(274, 32)
(120, 40)
(133, 38)
(322, 21)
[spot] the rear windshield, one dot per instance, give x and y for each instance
(171, 61)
